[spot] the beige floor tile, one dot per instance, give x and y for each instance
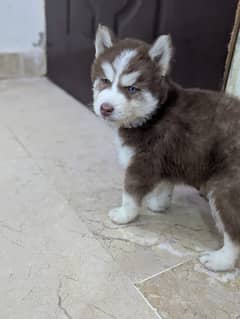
(190, 291)
(157, 241)
(52, 124)
(51, 266)
(75, 150)
(151, 244)
(59, 249)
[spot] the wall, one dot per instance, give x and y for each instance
(22, 38)
(233, 83)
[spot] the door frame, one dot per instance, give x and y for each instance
(231, 47)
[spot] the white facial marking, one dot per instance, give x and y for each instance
(224, 258)
(128, 112)
(113, 95)
(162, 48)
(121, 62)
(215, 212)
(127, 212)
(108, 71)
(95, 90)
(130, 78)
(125, 153)
(160, 198)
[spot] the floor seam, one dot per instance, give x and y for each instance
(165, 270)
(19, 141)
(148, 303)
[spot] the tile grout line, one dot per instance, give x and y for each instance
(163, 271)
(148, 303)
(19, 142)
(153, 276)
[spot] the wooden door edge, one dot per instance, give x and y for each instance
(231, 46)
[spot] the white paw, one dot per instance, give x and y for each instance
(122, 215)
(160, 198)
(219, 260)
(157, 205)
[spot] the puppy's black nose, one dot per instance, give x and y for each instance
(106, 109)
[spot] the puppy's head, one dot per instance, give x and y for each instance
(128, 77)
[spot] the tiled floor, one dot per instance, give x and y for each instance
(60, 256)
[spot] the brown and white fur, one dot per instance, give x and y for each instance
(168, 135)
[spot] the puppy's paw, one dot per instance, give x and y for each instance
(218, 260)
(157, 205)
(122, 215)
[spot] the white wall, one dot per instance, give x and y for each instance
(22, 25)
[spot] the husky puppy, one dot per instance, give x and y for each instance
(168, 135)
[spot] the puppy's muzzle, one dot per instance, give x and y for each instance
(106, 109)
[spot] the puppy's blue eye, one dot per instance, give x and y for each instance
(132, 89)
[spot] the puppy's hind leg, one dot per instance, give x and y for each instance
(159, 199)
(225, 208)
(223, 259)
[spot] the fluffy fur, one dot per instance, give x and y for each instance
(169, 135)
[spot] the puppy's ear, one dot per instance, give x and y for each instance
(104, 39)
(161, 52)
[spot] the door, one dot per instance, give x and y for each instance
(200, 30)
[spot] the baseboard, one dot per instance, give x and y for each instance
(22, 64)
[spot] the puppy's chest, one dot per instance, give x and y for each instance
(125, 153)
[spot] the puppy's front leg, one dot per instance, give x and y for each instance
(136, 186)
(127, 212)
